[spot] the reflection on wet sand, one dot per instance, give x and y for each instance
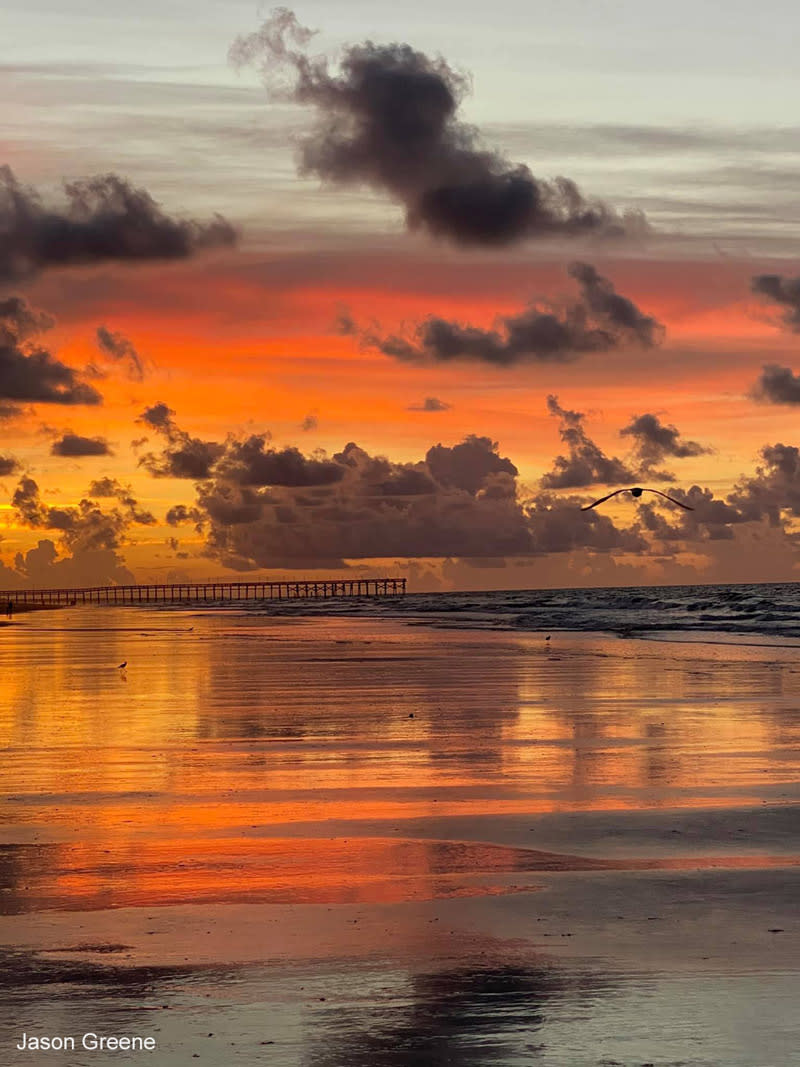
(331, 764)
(463, 1017)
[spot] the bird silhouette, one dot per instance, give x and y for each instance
(637, 491)
(122, 666)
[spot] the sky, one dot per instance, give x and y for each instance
(399, 295)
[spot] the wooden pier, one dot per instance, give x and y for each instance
(205, 592)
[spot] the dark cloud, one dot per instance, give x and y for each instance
(770, 496)
(185, 456)
(618, 312)
(431, 403)
(389, 120)
(777, 385)
(558, 525)
(105, 218)
(586, 463)
(180, 515)
(158, 417)
(104, 487)
(188, 458)
(467, 465)
(8, 465)
(654, 442)
(600, 321)
(782, 291)
(774, 490)
(117, 347)
(9, 411)
(42, 567)
(72, 444)
(84, 528)
(460, 501)
(251, 463)
(310, 422)
(29, 372)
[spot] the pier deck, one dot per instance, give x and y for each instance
(205, 592)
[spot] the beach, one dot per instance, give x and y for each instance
(345, 841)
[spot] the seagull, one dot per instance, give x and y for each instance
(122, 666)
(637, 492)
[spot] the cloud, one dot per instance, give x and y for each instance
(9, 411)
(310, 422)
(777, 385)
(782, 291)
(267, 507)
(118, 348)
(185, 456)
(388, 119)
(770, 496)
(105, 218)
(104, 487)
(72, 444)
(586, 463)
(158, 417)
(29, 372)
(599, 321)
(42, 567)
(8, 465)
(654, 442)
(180, 515)
(251, 463)
(430, 403)
(774, 490)
(618, 312)
(467, 465)
(85, 529)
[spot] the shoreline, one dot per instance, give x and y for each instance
(258, 823)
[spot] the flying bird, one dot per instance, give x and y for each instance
(122, 666)
(637, 492)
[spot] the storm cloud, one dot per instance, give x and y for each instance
(29, 372)
(388, 119)
(654, 442)
(104, 218)
(73, 445)
(262, 506)
(83, 528)
(184, 456)
(585, 463)
(777, 385)
(782, 291)
(117, 347)
(599, 321)
(252, 462)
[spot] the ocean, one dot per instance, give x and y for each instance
(761, 612)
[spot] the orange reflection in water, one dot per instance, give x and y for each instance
(248, 758)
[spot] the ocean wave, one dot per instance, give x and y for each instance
(766, 610)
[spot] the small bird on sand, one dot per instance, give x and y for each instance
(122, 666)
(637, 491)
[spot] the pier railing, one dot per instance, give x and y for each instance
(199, 592)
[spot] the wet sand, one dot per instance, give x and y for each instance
(343, 841)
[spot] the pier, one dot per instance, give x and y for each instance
(205, 592)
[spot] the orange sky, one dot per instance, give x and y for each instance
(242, 340)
